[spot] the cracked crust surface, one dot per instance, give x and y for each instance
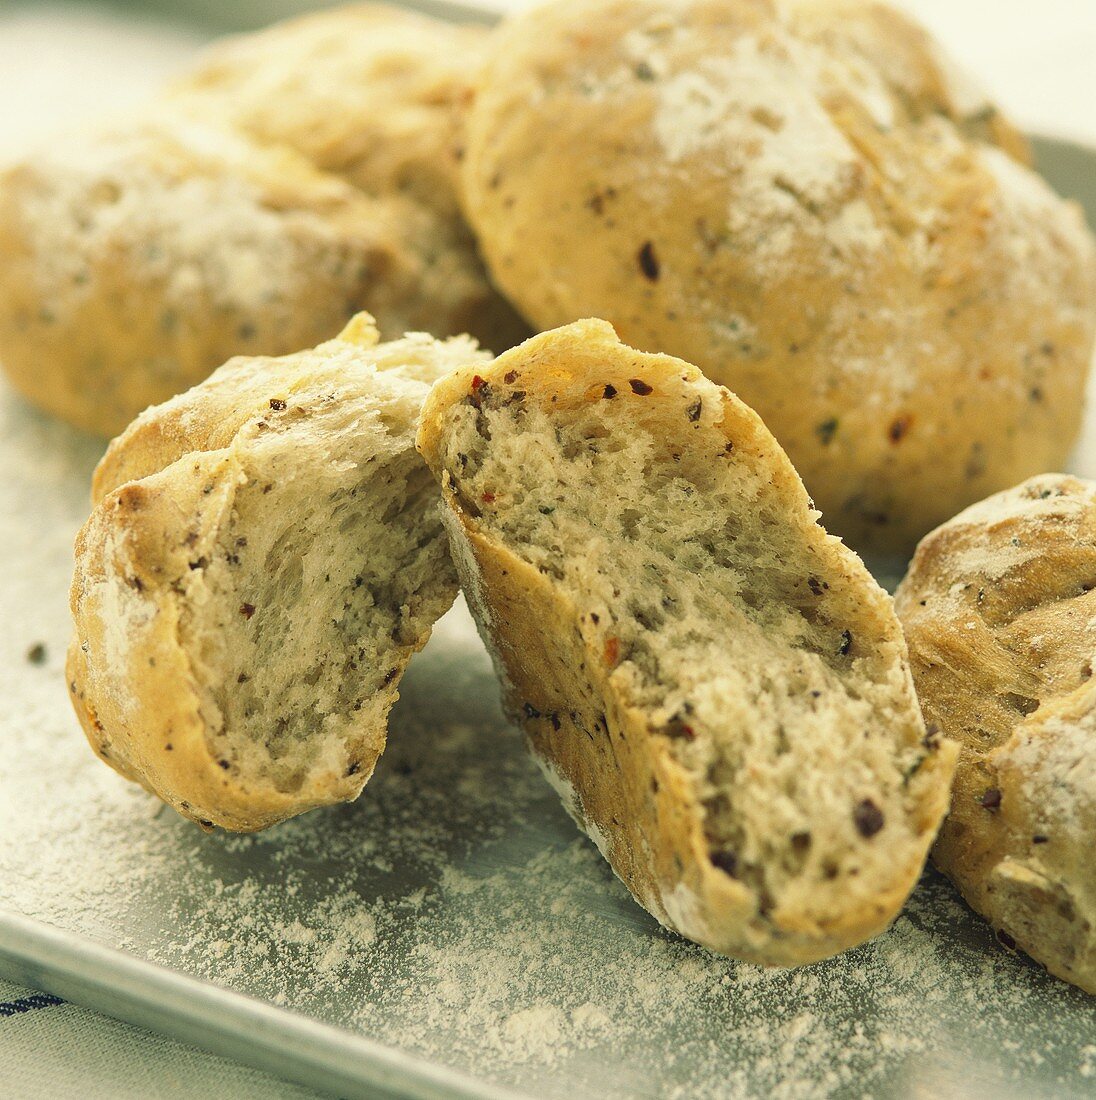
(717, 687)
(999, 608)
(807, 201)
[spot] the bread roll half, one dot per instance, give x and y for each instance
(265, 554)
(717, 685)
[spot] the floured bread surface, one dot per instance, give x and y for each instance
(136, 260)
(264, 556)
(376, 95)
(721, 683)
(1000, 611)
(810, 203)
(373, 93)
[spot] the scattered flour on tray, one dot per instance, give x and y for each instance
(454, 911)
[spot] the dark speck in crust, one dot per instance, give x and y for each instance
(648, 262)
(899, 428)
(931, 740)
(868, 818)
(639, 387)
(36, 655)
(247, 610)
(277, 404)
(826, 431)
(726, 861)
(991, 799)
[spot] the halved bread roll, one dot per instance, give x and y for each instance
(719, 682)
(265, 555)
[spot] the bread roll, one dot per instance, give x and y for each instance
(717, 686)
(802, 198)
(136, 260)
(999, 607)
(264, 556)
(374, 94)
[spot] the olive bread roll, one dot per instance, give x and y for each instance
(999, 608)
(718, 686)
(135, 260)
(376, 95)
(264, 556)
(802, 198)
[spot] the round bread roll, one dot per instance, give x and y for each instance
(371, 92)
(804, 200)
(716, 685)
(264, 556)
(135, 261)
(999, 608)
(374, 94)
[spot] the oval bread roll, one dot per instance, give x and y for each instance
(999, 607)
(718, 687)
(376, 95)
(802, 198)
(136, 260)
(264, 556)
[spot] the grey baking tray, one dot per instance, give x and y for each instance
(450, 934)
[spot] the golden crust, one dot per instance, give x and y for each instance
(127, 614)
(627, 788)
(137, 260)
(999, 610)
(372, 93)
(803, 200)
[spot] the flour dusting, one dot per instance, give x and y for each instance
(454, 911)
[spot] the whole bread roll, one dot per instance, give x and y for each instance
(264, 556)
(374, 94)
(999, 608)
(805, 200)
(136, 260)
(717, 687)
